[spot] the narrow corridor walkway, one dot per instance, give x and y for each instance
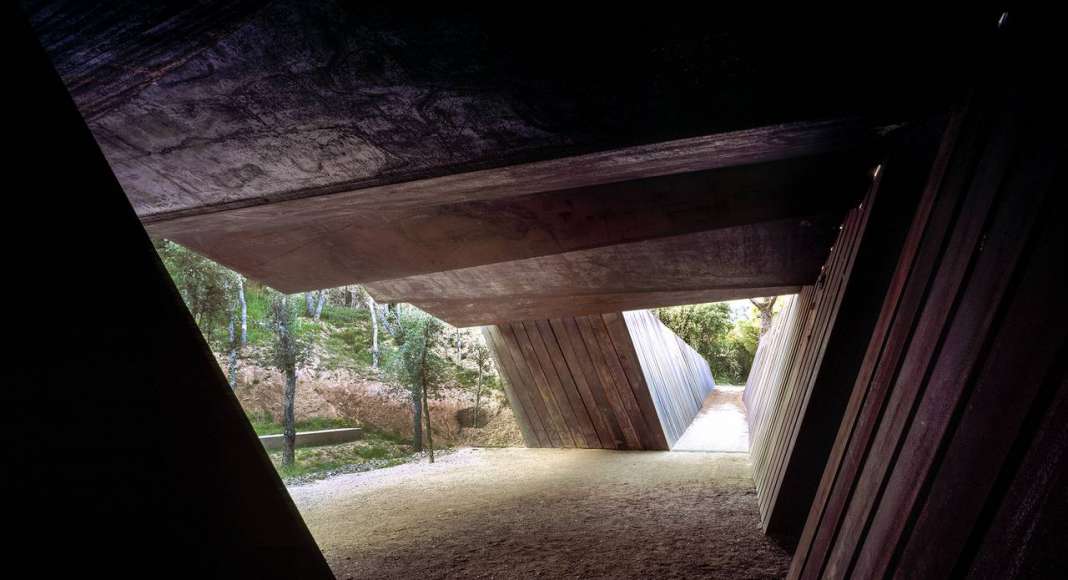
(720, 426)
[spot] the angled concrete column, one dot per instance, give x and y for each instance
(611, 381)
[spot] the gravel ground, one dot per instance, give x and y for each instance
(548, 513)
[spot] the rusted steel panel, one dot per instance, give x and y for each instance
(789, 360)
(805, 368)
(948, 462)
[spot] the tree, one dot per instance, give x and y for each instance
(418, 368)
(702, 326)
(727, 346)
(372, 308)
(203, 284)
(319, 304)
(233, 345)
(244, 309)
(238, 309)
(765, 306)
(287, 351)
(484, 363)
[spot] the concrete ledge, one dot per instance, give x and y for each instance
(313, 438)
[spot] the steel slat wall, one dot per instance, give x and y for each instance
(678, 377)
(951, 459)
(789, 361)
(772, 362)
(802, 378)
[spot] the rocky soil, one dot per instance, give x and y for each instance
(369, 401)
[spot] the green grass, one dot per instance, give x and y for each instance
(371, 452)
(345, 316)
(348, 342)
(266, 425)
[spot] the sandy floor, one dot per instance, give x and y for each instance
(720, 426)
(548, 513)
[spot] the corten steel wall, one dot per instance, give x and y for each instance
(951, 459)
(679, 378)
(581, 382)
(804, 371)
(106, 349)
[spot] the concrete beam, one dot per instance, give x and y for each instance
(326, 242)
(714, 151)
(755, 260)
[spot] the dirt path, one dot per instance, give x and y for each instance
(548, 513)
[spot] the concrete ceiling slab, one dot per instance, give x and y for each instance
(454, 159)
(753, 260)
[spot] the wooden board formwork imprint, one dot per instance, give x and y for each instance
(611, 381)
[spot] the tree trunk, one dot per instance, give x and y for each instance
(289, 427)
(309, 304)
(319, 305)
(765, 307)
(373, 309)
(244, 310)
(429, 429)
(478, 395)
(417, 420)
(422, 387)
(459, 344)
(232, 356)
(289, 391)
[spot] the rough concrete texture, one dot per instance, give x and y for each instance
(550, 513)
(199, 104)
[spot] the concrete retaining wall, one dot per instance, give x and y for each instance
(313, 438)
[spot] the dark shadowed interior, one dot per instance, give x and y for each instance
(541, 173)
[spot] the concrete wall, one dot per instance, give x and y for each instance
(611, 381)
(313, 438)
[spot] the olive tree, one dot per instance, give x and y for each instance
(288, 350)
(419, 368)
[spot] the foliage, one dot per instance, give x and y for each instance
(419, 338)
(482, 359)
(341, 338)
(280, 334)
(347, 340)
(292, 341)
(206, 287)
(728, 346)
